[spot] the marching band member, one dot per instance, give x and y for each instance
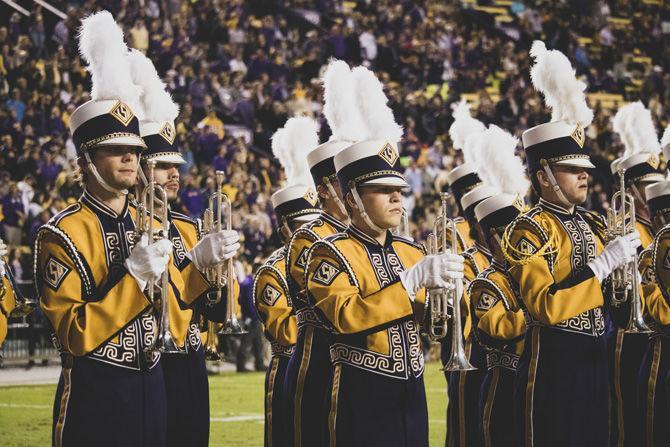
(640, 164)
(310, 368)
(497, 320)
(185, 372)
(294, 205)
(655, 366)
(559, 261)
(90, 278)
(7, 297)
(463, 419)
(365, 283)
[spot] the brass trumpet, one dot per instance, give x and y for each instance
(223, 274)
(146, 214)
(439, 300)
(23, 306)
(625, 280)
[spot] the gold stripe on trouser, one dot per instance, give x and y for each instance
(530, 386)
(302, 372)
(461, 397)
(268, 397)
(62, 410)
(332, 416)
(617, 385)
(651, 391)
(488, 407)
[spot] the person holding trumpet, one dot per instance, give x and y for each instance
(184, 369)
(294, 204)
(364, 284)
(560, 259)
(637, 168)
(92, 274)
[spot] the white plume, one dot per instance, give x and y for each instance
(339, 103)
(464, 124)
(498, 165)
(291, 144)
(377, 116)
(554, 77)
(102, 47)
(635, 126)
(156, 100)
(665, 139)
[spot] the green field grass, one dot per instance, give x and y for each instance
(236, 410)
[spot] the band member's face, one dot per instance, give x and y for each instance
(383, 204)
(574, 182)
(167, 175)
(117, 165)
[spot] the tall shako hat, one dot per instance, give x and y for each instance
(375, 159)
(561, 141)
(504, 170)
(112, 116)
(343, 116)
(297, 201)
(635, 126)
(658, 197)
(665, 145)
(464, 177)
(157, 127)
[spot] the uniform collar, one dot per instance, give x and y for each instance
(339, 226)
(485, 251)
(99, 207)
(643, 221)
(359, 235)
(557, 209)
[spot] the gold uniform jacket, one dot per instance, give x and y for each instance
(184, 234)
(558, 289)
(7, 304)
(274, 304)
(477, 259)
(655, 273)
(463, 235)
(94, 305)
(296, 263)
(353, 283)
(498, 321)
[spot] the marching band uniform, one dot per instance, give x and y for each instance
(461, 180)
(626, 350)
(376, 395)
(498, 323)
(655, 366)
(275, 307)
(274, 299)
(310, 368)
(463, 418)
(111, 391)
(7, 304)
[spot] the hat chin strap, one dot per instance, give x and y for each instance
(333, 194)
(554, 184)
(364, 214)
(101, 181)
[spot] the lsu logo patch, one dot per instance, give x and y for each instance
(325, 273)
(388, 154)
(579, 136)
(311, 197)
(168, 133)
(122, 112)
(54, 273)
(666, 261)
(486, 301)
(302, 259)
(270, 295)
(654, 161)
(525, 246)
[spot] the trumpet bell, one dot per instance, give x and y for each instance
(232, 327)
(165, 344)
(458, 362)
(212, 356)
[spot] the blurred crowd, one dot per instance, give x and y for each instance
(240, 68)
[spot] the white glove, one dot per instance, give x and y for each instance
(214, 248)
(148, 262)
(616, 254)
(4, 251)
(432, 272)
